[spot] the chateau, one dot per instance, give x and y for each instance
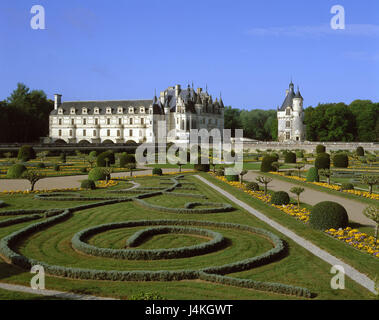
(291, 117)
(122, 121)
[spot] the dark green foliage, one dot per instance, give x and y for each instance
(63, 157)
(2, 204)
(290, 157)
(232, 177)
(147, 296)
(41, 165)
(253, 186)
(280, 198)
(96, 174)
(341, 160)
(26, 153)
(88, 184)
(312, 175)
(83, 170)
(347, 186)
(322, 161)
(126, 159)
(157, 171)
(93, 153)
(204, 167)
(220, 172)
(101, 158)
(299, 154)
(16, 171)
(275, 156)
(57, 167)
(360, 151)
(327, 214)
(320, 148)
(266, 164)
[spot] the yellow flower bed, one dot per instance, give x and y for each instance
(301, 214)
(366, 194)
(356, 239)
(352, 237)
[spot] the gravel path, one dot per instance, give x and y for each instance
(310, 196)
(354, 274)
(63, 182)
(50, 293)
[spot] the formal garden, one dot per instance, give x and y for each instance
(170, 236)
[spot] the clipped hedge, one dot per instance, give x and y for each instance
(100, 160)
(341, 160)
(232, 177)
(26, 153)
(252, 186)
(290, 157)
(280, 198)
(320, 148)
(97, 174)
(88, 184)
(322, 161)
(328, 214)
(347, 186)
(266, 164)
(204, 167)
(312, 175)
(16, 171)
(157, 171)
(360, 151)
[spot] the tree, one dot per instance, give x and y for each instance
(91, 159)
(33, 176)
(8, 155)
(179, 164)
(265, 181)
(277, 165)
(130, 167)
(372, 212)
(326, 173)
(242, 173)
(370, 180)
(299, 166)
(42, 155)
(107, 172)
(297, 191)
(366, 119)
(371, 159)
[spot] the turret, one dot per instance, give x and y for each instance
(57, 100)
(298, 101)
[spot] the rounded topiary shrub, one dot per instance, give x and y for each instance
(320, 148)
(93, 154)
(96, 174)
(280, 198)
(101, 158)
(299, 154)
(341, 160)
(220, 172)
(312, 175)
(328, 214)
(322, 161)
(88, 184)
(83, 170)
(290, 157)
(360, 151)
(63, 157)
(157, 171)
(252, 186)
(232, 177)
(126, 159)
(57, 167)
(25, 153)
(266, 164)
(41, 165)
(201, 167)
(275, 156)
(16, 171)
(347, 186)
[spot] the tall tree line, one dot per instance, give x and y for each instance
(24, 115)
(358, 121)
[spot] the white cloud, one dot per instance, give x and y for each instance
(367, 30)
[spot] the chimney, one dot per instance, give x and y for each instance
(177, 90)
(199, 90)
(57, 100)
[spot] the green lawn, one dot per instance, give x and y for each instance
(298, 267)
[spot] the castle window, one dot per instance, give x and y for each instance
(288, 112)
(119, 110)
(60, 111)
(96, 111)
(96, 121)
(109, 110)
(118, 133)
(131, 110)
(84, 133)
(60, 121)
(59, 132)
(108, 121)
(84, 110)
(70, 133)
(288, 124)
(108, 132)
(72, 121)
(130, 132)
(142, 110)
(142, 121)
(84, 121)
(288, 135)
(72, 110)
(130, 120)
(94, 133)
(119, 120)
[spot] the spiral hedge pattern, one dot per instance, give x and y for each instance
(216, 240)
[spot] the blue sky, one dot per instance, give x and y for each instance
(248, 50)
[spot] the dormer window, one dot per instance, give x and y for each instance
(288, 112)
(84, 110)
(131, 110)
(60, 111)
(120, 110)
(96, 111)
(109, 110)
(142, 109)
(72, 111)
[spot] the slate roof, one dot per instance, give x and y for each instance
(289, 98)
(102, 105)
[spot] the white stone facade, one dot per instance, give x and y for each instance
(135, 120)
(291, 117)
